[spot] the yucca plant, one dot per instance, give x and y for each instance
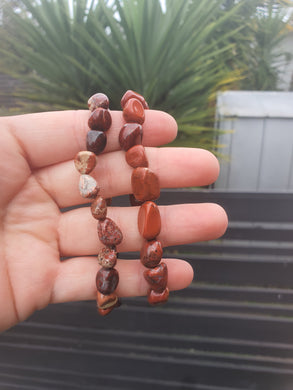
(175, 57)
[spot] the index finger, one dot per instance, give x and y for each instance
(53, 137)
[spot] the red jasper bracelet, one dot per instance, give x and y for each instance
(145, 188)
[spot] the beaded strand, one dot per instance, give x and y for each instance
(145, 189)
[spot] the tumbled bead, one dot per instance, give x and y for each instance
(100, 119)
(130, 95)
(98, 100)
(109, 233)
(136, 157)
(151, 253)
(133, 201)
(145, 184)
(85, 161)
(88, 186)
(108, 201)
(133, 111)
(104, 312)
(157, 277)
(99, 208)
(130, 135)
(149, 220)
(96, 141)
(107, 280)
(106, 301)
(107, 257)
(155, 298)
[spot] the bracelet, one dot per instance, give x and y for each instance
(145, 188)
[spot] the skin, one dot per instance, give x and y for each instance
(38, 178)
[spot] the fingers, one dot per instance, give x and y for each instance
(76, 278)
(181, 224)
(175, 167)
(52, 137)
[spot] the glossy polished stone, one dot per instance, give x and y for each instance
(98, 100)
(104, 312)
(130, 95)
(145, 184)
(96, 141)
(107, 280)
(99, 208)
(85, 162)
(109, 233)
(157, 277)
(133, 111)
(106, 301)
(155, 298)
(107, 257)
(149, 220)
(130, 135)
(136, 157)
(88, 186)
(151, 253)
(100, 119)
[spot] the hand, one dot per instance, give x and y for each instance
(38, 178)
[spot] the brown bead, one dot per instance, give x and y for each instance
(107, 257)
(100, 119)
(133, 111)
(98, 100)
(130, 95)
(104, 312)
(130, 135)
(151, 253)
(155, 298)
(109, 233)
(85, 161)
(133, 201)
(149, 220)
(107, 280)
(96, 141)
(99, 208)
(136, 157)
(88, 186)
(157, 277)
(145, 184)
(108, 201)
(106, 301)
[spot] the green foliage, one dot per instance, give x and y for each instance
(177, 57)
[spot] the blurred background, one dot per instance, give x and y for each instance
(224, 70)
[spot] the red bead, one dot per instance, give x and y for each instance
(133, 201)
(107, 257)
(107, 280)
(157, 277)
(145, 184)
(100, 119)
(133, 111)
(155, 298)
(85, 161)
(96, 141)
(131, 94)
(149, 220)
(151, 253)
(99, 208)
(98, 100)
(88, 186)
(109, 201)
(136, 157)
(109, 233)
(106, 301)
(130, 135)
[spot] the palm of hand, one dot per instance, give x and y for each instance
(35, 234)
